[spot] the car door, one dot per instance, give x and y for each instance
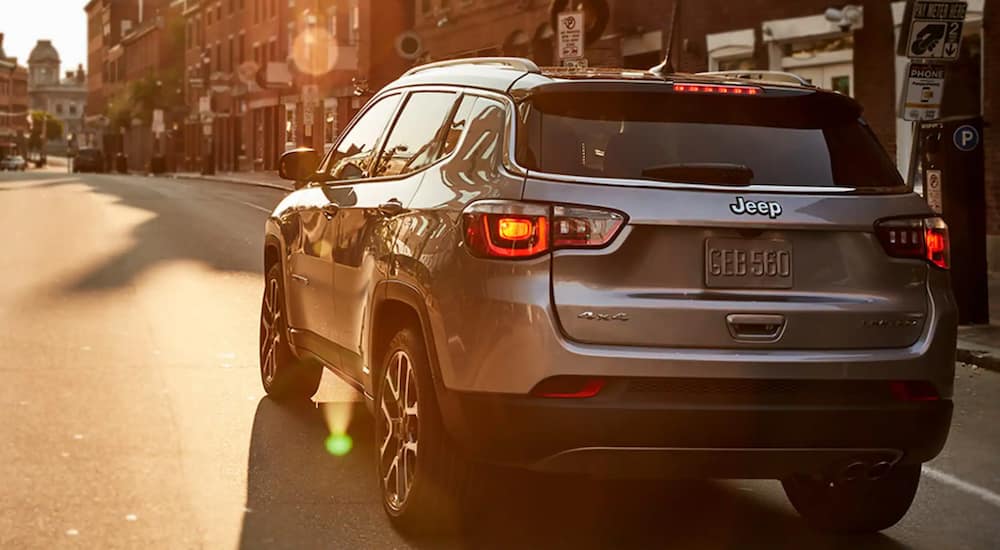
(368, 226)
(311, 273)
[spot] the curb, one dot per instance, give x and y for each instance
(235, 181)
(981, 359)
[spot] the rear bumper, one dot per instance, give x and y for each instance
(608, 437)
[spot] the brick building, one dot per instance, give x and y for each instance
(753, 34)
(13, 105)
(264, 76)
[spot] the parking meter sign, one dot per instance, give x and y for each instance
(932, 29)
(922, 92)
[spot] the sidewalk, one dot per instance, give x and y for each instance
(977, 345)
(260, 179)
(980, 344)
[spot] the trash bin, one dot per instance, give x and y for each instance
(158, 164)
(121, 163)
(208, 165)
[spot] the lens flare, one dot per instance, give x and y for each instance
(339, 444)
(314, 51)
(337, 415)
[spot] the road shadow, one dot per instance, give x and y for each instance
(174, 226)
(299, 496)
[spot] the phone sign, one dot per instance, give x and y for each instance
(966, 138)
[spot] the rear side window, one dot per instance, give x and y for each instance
(812, 140)
(352, 157)
(415, 140)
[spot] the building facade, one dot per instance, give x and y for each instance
(265, 76)
(13, 105)
(63, 97)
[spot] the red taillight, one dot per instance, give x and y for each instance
(918, 238)
(914, 391)
(569, 387)
(518, 230)
(717, 89)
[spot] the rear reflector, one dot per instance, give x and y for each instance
(568, 387)
(918, 238)
(914, 391)
(718, 89)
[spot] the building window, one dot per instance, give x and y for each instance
(330, 128)
(243, 47)
(59, 108)
(355, 23)
(232, 54)
(72, 109)
(272, 50)
(331, 21)
(290, 126)
(291, 37)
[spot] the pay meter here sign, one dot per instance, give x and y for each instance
(932, 30)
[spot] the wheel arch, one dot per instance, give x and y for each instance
(399, 305)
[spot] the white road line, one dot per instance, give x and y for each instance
(948, 479)
(257, 206)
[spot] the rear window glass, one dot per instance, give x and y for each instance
(813, 140)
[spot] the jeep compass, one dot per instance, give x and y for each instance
(617, 273)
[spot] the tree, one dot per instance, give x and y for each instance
(44, 124)
(143, 96)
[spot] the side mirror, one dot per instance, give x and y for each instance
(298, 165)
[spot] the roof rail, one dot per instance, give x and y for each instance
(516, 63)
(766, 76)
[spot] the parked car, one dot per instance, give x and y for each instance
(617, 273)
(89, 160)
(14, 162)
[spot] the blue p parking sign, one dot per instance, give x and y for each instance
(966, 138)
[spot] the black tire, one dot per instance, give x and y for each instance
(859, 506)
(284, 376)
(442, 476)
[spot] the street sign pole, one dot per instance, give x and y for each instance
(931, 34)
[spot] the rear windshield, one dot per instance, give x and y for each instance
(813, 140)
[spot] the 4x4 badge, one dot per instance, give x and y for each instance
(759, 208)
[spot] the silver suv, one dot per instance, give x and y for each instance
(617, 273)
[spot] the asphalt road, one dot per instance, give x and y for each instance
(132, 416)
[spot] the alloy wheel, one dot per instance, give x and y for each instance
(399, 430)
(270, 335)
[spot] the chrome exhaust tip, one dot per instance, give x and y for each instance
(853, 471)
(879, 470)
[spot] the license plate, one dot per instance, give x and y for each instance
(747, 263)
